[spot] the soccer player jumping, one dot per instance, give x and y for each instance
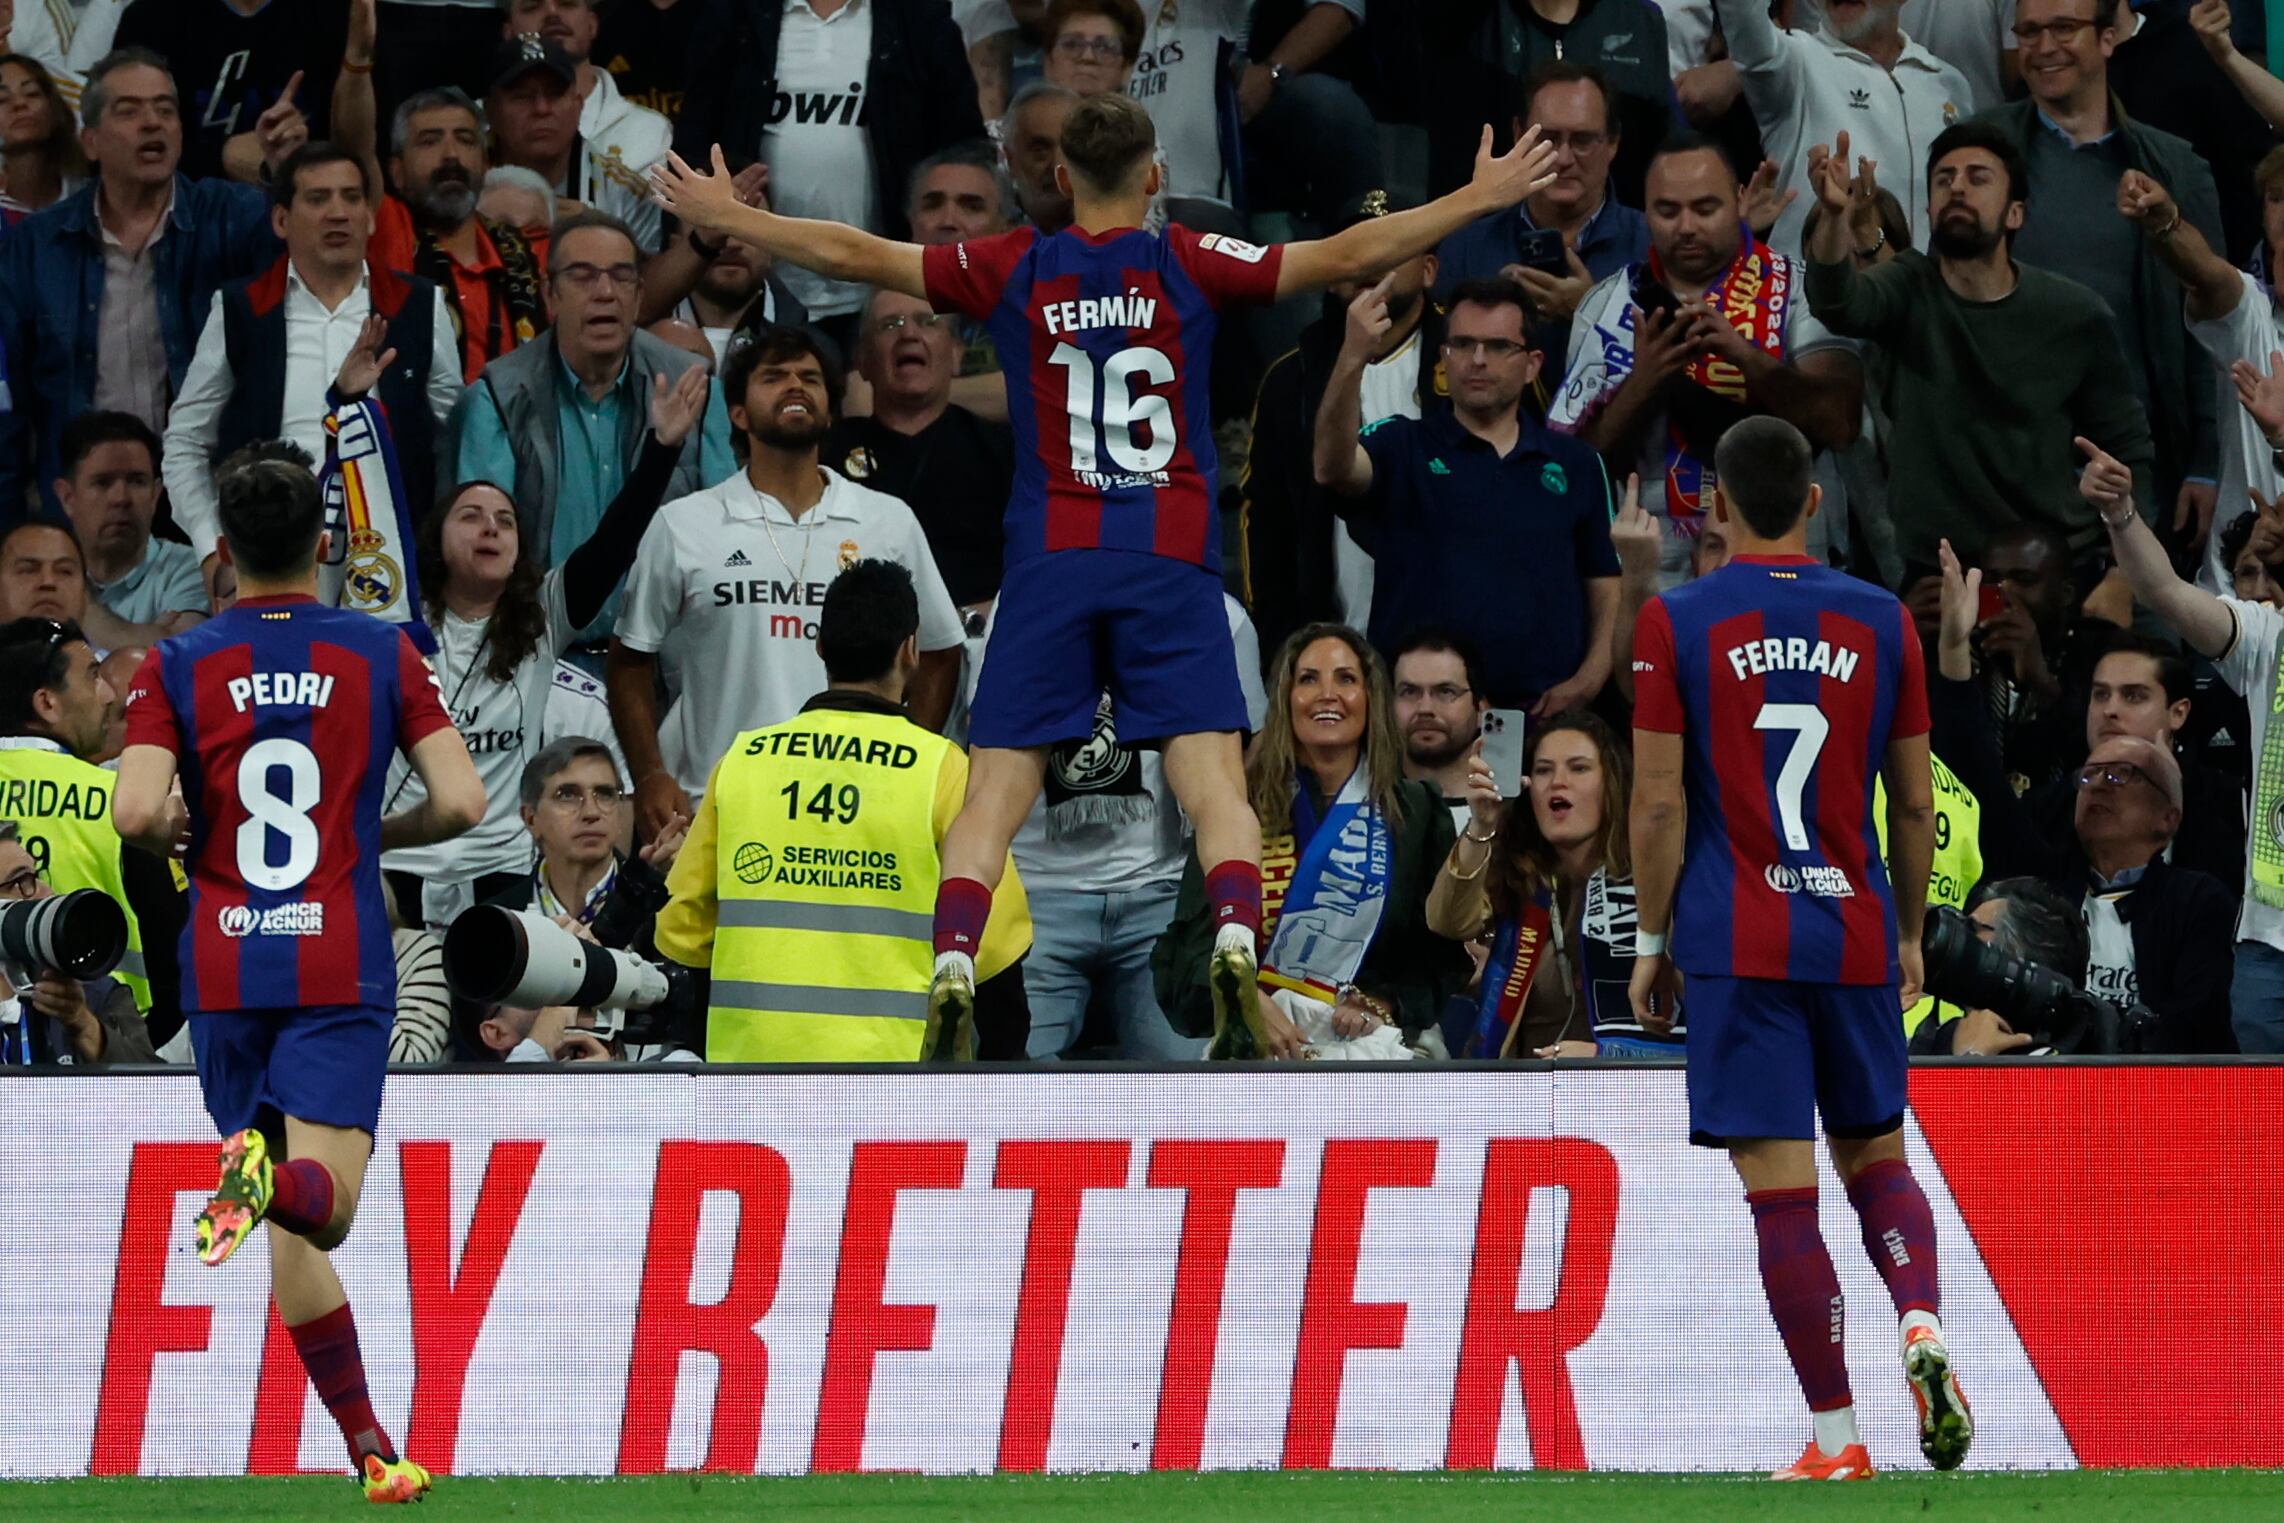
(1106, 333)
(281, 717)
(1767, 695)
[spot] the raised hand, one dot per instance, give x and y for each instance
(751, 185)
(2106, 482)
(1516, 175)
(1763, 204)
(1554, 296)
(1664, 343)
(1486, 806)
(282, 128)
(1828, 176)
(696, 198)
(675, 409)
(2262, 395)
(2211, 19)
(362, 367)
(661, 852)
(364, 26)
(1962, 602)
(1635, 533)
(1368, 320)
(2145, 203)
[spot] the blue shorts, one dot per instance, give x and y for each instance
(322, 1063)
(1766, 1057)
(1070, 623)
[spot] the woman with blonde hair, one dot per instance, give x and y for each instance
(1348, 846)
(40, 162)
(1549, 877)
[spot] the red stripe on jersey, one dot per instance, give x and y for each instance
(1843, 785)
(1760, 934)
(1180, 512)
(327, 967)
(222, 731)
(1074, 513)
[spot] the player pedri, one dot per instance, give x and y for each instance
(281, 718)
(1105, 333)
(1769, 697)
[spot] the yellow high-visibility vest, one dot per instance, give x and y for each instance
(808, 885)
(1958, 864)
(62, 809)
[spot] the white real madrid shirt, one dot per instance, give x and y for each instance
(820, 162)
(739, 581)
(501, 723)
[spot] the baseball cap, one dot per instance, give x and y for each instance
(1373, 203)
(526, 51)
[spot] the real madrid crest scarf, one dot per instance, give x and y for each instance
(372, 566)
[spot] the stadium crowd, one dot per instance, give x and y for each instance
(2006, 264)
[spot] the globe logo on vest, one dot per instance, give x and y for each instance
(753, 863)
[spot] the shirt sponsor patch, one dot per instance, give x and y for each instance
(1235, 248)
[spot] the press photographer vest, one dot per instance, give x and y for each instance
(825, 887)
(62, 808)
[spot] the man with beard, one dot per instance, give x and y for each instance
(737, 292)
(1993, 366)
(738, 574)
(1441, 714)
(1301, 564)
(1857, 74)
(489, 271)
(1668, 355)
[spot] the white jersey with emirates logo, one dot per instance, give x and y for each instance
(739, 583)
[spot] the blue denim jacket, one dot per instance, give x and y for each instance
(51, 295)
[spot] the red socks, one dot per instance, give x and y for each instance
(301, 1196)
(1233, 890)
(1899, 1234)
(1803, 1292)
(328, 1349)
(962, 907)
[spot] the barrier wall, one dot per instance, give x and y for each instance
(598, 1272)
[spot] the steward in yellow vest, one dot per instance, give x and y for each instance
(807, 885)
(55, 708)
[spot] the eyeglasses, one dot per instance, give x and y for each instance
(926, 321)
(1489, 348)
(1442, 692)
(2059, 32)
(572, 796)
(2116, 774)
(23, 885)
(585, 277)
(1089, 47)
(1576, 142)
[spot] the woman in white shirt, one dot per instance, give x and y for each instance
(500, 623)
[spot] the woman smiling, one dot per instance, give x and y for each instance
(1348, 846)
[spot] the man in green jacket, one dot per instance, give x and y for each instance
(1994, 365)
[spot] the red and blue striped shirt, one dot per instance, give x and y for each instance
(1787, 681)
(284, 715)
(1107, 344)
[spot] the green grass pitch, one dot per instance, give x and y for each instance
(2238, 1496)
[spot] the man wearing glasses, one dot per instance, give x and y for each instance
(1440, 712)
(2077, 145)
(1480, 515)
(560, 421)
(57, 1019)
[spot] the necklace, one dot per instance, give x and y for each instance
(800, 577)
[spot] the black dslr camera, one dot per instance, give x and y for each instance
(2057, 1015)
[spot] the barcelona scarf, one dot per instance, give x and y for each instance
(373, 565)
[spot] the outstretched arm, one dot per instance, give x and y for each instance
(2200, 618)
(1380, 243)
(2208, 281)
(2261, 90)
(832, 249)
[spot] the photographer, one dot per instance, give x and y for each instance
(59, 1019)
(575, 807)
(2022, 918)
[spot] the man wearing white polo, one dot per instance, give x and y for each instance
(737, 572)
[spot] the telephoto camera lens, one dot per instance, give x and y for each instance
(81, 935)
